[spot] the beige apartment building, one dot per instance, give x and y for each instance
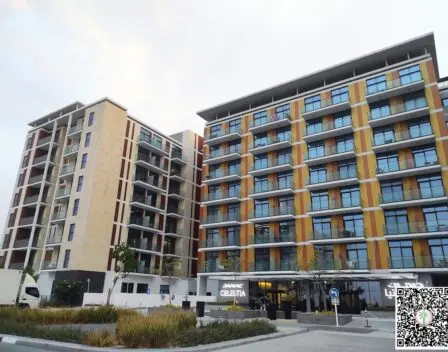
(91, 177)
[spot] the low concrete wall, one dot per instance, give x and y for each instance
(244, 314)
(323, 319)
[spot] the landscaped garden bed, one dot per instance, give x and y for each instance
(323, 318)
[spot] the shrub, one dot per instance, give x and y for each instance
(155, 330)
(234, 307)
(224, 331)
(100, 338)
(68, 292)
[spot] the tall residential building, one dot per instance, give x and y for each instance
(337, 178)
(91, 177)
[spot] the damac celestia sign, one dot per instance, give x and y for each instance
(228, 290)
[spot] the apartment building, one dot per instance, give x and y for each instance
(337, 178)
(91, 177)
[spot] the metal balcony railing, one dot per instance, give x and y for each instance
(337, 234)
(323, 152)
(272, 212)
(269, 119)
(223, 173)
(412, 194)
(222, 195)
(220, 242)
(264, 142)
(325, 127)
(21, 243)
(332, 176)
(271, 186)
(400, 108)
(142, 221)
(403, 228)
(325, 103)
(406, 164)
(331, 204)
(272, 237)
(26, 221)
(222, 132)
(392, 84)
(216, 153)
(213, 219)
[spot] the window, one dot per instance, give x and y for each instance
(379, 110)
(233, 236)
(233, 210)
(392, 191)
(318, 175)
(413, 102)
(445, 102)
(235, 126)
(71, 232)
(142, 288)
(357, 256)
(288, 255)
(75, 207)
(419, 129)
(339, 95)
(312, 103)
(262, 259)
(286, 204)
(32, 291)
(234, 168)
(430, 186)
(439, 252)
(287, 230)
(66, 258)
(324, 256)
(84, 161)
(322, 227)
(261, 161)
(16, 199)
(127, 287)
(261, 184)
(80, 183)
(354, 225)
(25, 160)
(436, 218)
(282, 111)
(319, 200)
(314, 127)
(283, 156)
(213, 238)
(260, 118)
(261, 231)
(260, 140)
(316, 150)
(212, 211)
(261, 208)
(383, 136)
(164, 289)
(387, 163)
(396, 222)
(425, 156)
(214, 131)
(347, 169)
(410, 74)
(234, 147)
(213, 191)
(401, 254)
(344, 144)
(284, 134)
(284, 180)
(377, 84)
(234, 189)
(215, 151)
(350, 197)
(87, 141)
(91, 118)
(342, 119)
(29, 142)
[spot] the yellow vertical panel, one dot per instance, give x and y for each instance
(301, 105)
(389, 76)
(383, 254)
(442, 151)
(445, 179)
(371, 255)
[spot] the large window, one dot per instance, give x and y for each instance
(282, 111)
(313, 127)
(260, 118)
(66, 259)
(234, 147)
(261, 184)
(213, 191)
(284, 134)
(383, 136)
(439, 252)
(377, 84)
(324, 256)
(339, 95)
(261, 161)
(424, 156)
(261, 208)
(234, 168)
(284, 179)
(396, 221)
(319, 200)
(84, 161)
(71, 232)
(215, 131)
(344, 144)
(379, 110)
(142, 288)
(316, 150)
(286, 204)
(127, 287)
(287, 230)
(392, 191)
(233, 236)
(234, 189)
(387, 163)
(283, 156)
(318, 175)
(354, 225)
(233, 210)
(410, 75)
(436, 218)
(260, 140)
(401, 254)
(322, 227)
(213, 238)
(347, 169)
(235, 126)
(419, 129)
(262, 259)
(342, 119)
(312, 103)
(80, 183)
(430, 186)
(350, 197)
(75, 207)
(413, 102)
(357, 256)
(87, 140)
(91, 118)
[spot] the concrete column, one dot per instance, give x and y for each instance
(201, 286)
(306, 286)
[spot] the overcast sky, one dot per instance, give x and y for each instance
(165, 60)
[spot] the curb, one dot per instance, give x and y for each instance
(72, 347)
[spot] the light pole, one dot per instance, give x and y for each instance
(88, 285)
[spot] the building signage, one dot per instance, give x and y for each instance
(228, 290)
(390, 291)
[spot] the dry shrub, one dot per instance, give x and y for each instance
(100, 338)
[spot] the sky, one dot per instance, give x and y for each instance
(165, 60)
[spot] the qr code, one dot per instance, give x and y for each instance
(421, 318)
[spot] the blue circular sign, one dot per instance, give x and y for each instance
(334, 293)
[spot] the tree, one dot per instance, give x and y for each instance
(314, 268)
(233, 264)
(125, 262)
(169, 268)
(68, 292)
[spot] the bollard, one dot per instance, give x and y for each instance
(367, 320)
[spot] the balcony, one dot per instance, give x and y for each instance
(178, 175)
(178, 158)
(413, 198)
(223, 155)
(16, 266)
(49, 265)
(212, 267)
(333, 179)
(289, 265)
(176, 194)
(221, 176)
(273, 214)
(74, 130)
(408, 167)
(146, 203)
(414, 230)
(401, 112)
(63, 193)
(148, 182)
(326, 107)
(145, 246)
(436, 263)
(269, 189)
(26, 222)
(152, 163)
(21, 243)
(268, 166)
(174, 252)
(174, 231)
(337, 236)
(334, 207)
(222, 136)
(393, 88)
(36, 179)
(152, 144)
(71, 150)
(44, 142)
(269, 144)
(54, 239)
(327, 155)
(402, 140)
(219, 244)
(59, 217)
(174, 212)
(67, 170)
(42, 160)
(221, 220)
(32, 200)
(332, 265)
(221, 197)
(143, 223)
(269, 123)
(325, 130)
(272, 239)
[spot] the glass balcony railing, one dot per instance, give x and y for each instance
(150, 180)
(146, 200)
(271, 186)
(75, 129)
(142, 221)
(42, 158)
(273, 212)
(272, 237)
(59, 216)
(48, 265)
(43, 141)
(332, 176)
(62, 192)
(220, 242)
(73, 148)
(325, 103)
(217, 153)
(32, 199)
(323, 152)
(387, 111)
(268, 163)
(21, 243)
(289, 264)
(67, 169)
(406, 164)
(154, 142)
(402, 136)
(337, 234)
(222, 132)
(396, 83)
(403, 228)
(418, 262)
(219, 218)
(151, 160)
(177, 155)
(333, 204)
(264, 142)
(211, 267)
(179, 230)
(26, 221)
(413, 194)
(222, 195)
(337, 264)
(325, 127)
(144, 244)
(269, 119)
(223, 173)
(54, 238)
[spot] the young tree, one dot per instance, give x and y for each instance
(233, 264)
(315, 268)
(125, 262)
(169, 268)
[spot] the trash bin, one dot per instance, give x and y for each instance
(271, 311)
(200, 307)
(185, 305)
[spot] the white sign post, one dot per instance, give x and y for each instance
(334, 294)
